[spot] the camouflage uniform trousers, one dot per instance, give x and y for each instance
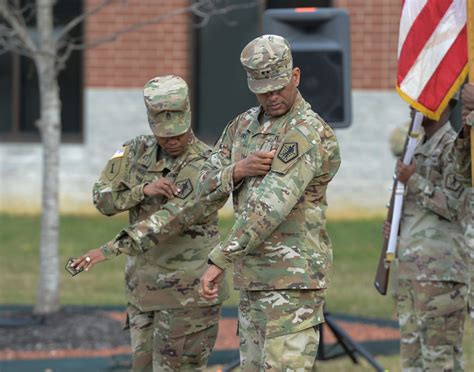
(470, 241)
(279, 329)
(173, 339)
(467, 223)
(431, 316)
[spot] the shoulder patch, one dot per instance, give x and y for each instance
(114, 166)
(185, 188)
(292, 147)
(288, 151)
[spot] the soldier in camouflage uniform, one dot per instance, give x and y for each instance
(154, 178)
(433, 261)
(465, 204)
(277, 160)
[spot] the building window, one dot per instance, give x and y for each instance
(19, 92)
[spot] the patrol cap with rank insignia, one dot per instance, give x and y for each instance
(268, 63)
(167, 103)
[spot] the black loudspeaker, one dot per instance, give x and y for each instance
(320, 43)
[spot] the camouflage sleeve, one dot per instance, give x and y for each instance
(216, 176)
(460, 158)
(297, 162)
(113, 192)
(173, 217)
(443, 199)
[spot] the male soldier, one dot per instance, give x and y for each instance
(433, 270)
(154, 178)
(277, 159)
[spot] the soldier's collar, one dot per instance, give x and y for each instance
(273, 126)
(433, 142)
(166, 161)
(149, 156)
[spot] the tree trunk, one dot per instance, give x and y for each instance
(49, 124)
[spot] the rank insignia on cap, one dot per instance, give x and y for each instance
(185, 188)
(118, 154)
(288, 151)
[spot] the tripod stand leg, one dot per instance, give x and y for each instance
(341, 339)
(347, 343)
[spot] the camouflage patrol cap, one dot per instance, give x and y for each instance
(167, 103)
(268, 63)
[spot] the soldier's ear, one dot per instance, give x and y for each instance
(296, 75)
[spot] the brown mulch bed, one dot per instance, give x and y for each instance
(93, 333)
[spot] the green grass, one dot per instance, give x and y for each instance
(356, 247)
(356, 250)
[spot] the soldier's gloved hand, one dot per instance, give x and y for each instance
(256, 164)
(161, 186)
(86, 261)
(404, 172)
(467, 96)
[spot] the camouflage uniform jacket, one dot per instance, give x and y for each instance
(279, 239)
(465, 205)
(168, 241)
(431, 246)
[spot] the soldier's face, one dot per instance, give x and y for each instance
(176, 145)
(279, 102)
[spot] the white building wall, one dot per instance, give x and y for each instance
(113, 116)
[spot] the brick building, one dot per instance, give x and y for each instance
(103, 104)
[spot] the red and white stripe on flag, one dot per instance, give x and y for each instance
(432, 53)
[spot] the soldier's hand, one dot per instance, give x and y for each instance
(256, 164)
(161, 186)
(467, 96)
(404, 172)
(86, 261)
(210, 281)
(386, 229)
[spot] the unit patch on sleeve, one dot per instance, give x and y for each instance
(288, 151)
(185, 188)
(114, 166)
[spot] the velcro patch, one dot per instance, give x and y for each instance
(185, 188)
(288, 151)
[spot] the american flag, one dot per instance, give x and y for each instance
(432, 53)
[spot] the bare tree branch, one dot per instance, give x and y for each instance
(204, 9)
(14, 18)
(76, 21)
(214, 10)
(11, 44)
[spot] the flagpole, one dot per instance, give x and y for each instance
(470, 59)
